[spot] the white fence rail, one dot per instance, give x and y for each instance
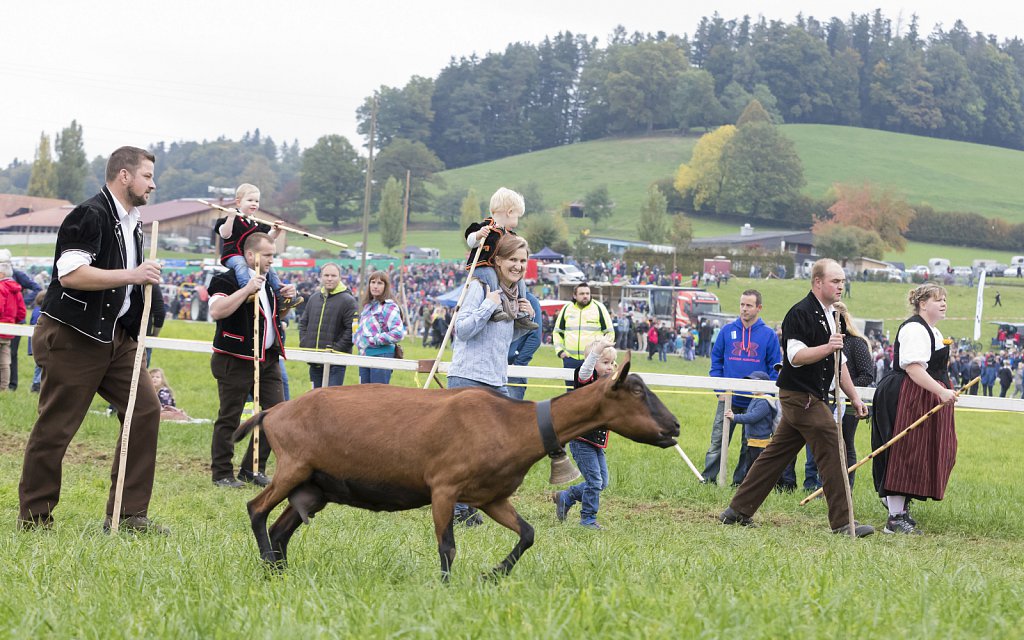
(543, 373)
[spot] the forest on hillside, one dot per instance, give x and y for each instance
(860, 71)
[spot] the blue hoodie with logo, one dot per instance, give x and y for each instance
(738, 351)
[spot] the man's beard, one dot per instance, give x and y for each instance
(137, 200)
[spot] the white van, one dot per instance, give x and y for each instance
(557, 273)
(1016, 261)
(938, 265)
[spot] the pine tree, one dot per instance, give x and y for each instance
(72, 166)
(389, 215)
(43, 182)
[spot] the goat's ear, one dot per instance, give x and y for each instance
(620, 374)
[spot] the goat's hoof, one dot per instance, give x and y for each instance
(495, 574)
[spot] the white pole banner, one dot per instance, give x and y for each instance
(978, 307)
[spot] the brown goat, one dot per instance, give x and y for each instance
(389, 448)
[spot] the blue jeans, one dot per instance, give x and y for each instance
(284, 381)
(241, 269)
(594, 466)
(335, 377)
(712, 459)
(457, 382)
(663, 352)
(488, 276)
(368, 376)
(515, 392)
(570, 363)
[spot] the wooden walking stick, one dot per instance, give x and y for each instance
(140, 354)
(455, 312)
(723, 467)
(283, 227)
(839, 430)
(860, 463)
(256, 374)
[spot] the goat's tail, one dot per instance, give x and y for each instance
(247, 426)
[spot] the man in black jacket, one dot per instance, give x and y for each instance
(85, 343)
(234, 310)
(326, 323)
(810, 341)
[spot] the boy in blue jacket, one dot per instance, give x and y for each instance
(758, 425)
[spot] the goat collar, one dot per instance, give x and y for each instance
(546, 426)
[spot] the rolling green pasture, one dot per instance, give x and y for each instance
(663, 566)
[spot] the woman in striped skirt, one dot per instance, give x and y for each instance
(918, 466)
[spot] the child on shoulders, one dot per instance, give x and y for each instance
(235, 228)
(588, 449)
(506, 208)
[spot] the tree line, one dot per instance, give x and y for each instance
(863, 71)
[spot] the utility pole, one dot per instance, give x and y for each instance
(367, 193)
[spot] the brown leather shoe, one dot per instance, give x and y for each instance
(42, 522)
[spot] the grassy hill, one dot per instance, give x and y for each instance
(949, 175)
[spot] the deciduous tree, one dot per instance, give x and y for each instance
(598, 205)
(701, 179)
(653, 224)
(332, 179)
(869, 208)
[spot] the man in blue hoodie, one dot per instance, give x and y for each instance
(744, 346)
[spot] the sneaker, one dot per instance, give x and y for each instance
(906, 509)
(470, 517)
(731, 516)
(291, 303)
(860, 530)
(593, 526)
(500, 316)
(137, 524)
(561, 507)
(228, 483)
(259, 479)
(899, 523)
(43, 522)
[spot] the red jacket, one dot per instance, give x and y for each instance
(652, 335)
(12, 305)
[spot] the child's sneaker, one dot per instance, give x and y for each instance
(561, 506)
(524, 322)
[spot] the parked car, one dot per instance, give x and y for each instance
(993, 270)
(1010, 272)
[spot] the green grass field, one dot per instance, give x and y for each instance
(662, 567)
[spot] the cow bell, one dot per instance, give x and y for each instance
(563, 470)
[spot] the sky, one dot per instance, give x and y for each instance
(139, 73)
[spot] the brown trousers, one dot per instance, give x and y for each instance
(235, 379)
(76, 368)
(805, 419)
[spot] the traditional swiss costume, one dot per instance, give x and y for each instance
(918, 466)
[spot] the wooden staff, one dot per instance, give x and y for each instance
(724, 458)
(401, 258)
(256, 373)
(455, 313)
(700, 478)
(140, 354)
(306, 234)
(839, 429)
(895, 439)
